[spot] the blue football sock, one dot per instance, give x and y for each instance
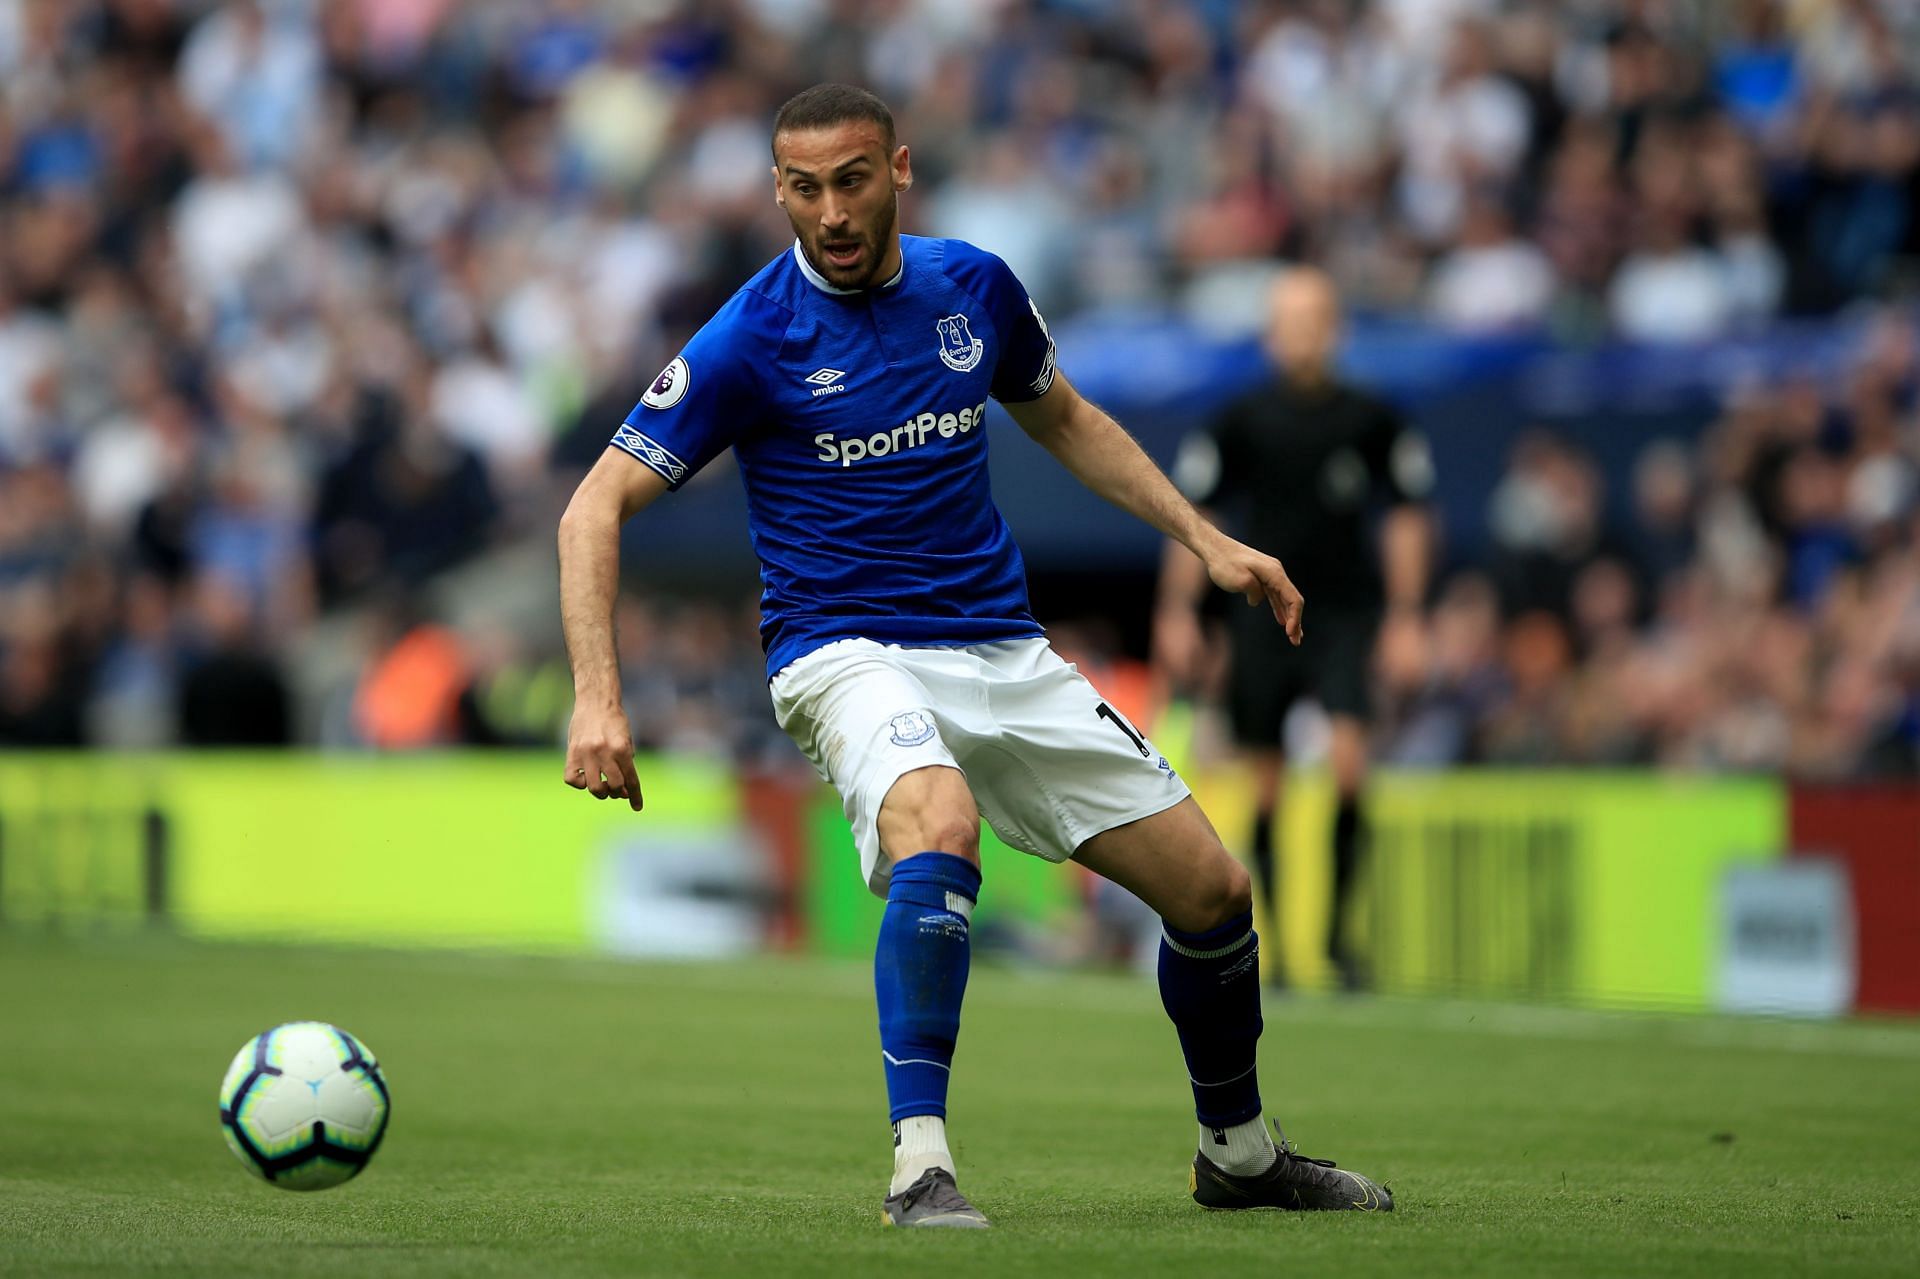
(1210, 986)
(920, 977)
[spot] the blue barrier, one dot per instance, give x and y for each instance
(1162, 376)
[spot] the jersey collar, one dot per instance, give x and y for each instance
(819, 281)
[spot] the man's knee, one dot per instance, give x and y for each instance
(1219, 890)
(947, 832)
(1231, 888)
(930, 810)
(1348, 755)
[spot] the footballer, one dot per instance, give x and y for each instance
(851, 378)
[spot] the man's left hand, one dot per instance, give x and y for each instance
(1245, 571)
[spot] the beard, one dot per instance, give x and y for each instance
(863, 272)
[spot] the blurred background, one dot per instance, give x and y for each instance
(312, 314)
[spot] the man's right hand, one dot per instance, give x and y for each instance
(600, 755)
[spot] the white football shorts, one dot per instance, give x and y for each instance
(1050, 763)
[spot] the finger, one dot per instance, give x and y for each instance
(1289, 607)
(1275, 590)
(632, 779)
(617, 765)
(596, 782)
(616, 780)
(576, 774)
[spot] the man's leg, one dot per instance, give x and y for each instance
(1209, 966)
(1265, 680)
(929, 829)
(866, 719)
(1349, 758)
(1210, 987)
(1267, 767)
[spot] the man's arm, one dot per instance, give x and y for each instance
(1201, 474)
(1106, 459)
(1179, 643)
(599, 739)
(1406, 549)
(1406, 556)
(1401, 463)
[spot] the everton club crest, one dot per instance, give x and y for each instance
(910, 728)
(959, 349)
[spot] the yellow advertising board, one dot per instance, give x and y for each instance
(454, 849)
(1582, 886)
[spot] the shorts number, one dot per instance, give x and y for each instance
(1139, 743)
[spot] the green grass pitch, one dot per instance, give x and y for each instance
(582, 1117)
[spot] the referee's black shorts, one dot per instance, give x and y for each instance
(1269, 675)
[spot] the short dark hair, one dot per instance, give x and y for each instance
(825, 105)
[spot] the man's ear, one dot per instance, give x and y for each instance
(902, 168)
(779, 196)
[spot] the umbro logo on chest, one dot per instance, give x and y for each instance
(826, 381)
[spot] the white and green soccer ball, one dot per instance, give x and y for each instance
(304, 1106)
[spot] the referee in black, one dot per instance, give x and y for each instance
(1304, 466)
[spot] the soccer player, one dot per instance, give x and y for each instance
(1304, 460)
(851, 378)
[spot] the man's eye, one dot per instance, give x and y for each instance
(852, 180)
(803, 189)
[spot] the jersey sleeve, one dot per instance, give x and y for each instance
(1024, 364)
(1208, 460)
(1398, 458)
(706, 398)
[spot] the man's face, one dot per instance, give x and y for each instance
(1303, 324)
(841, 191)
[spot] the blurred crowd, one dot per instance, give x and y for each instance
(1758, 610)
(304, 303)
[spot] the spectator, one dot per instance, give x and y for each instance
(1546, 516)
(256, 75)
(233, 694)
(1669, 289)
(410, 694)
(1493, 280)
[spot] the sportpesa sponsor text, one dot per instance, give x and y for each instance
(909, 434)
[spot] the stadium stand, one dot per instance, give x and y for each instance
(307, 309)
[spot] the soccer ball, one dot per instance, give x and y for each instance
(304, 1105)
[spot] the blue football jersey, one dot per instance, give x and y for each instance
(858, 418)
